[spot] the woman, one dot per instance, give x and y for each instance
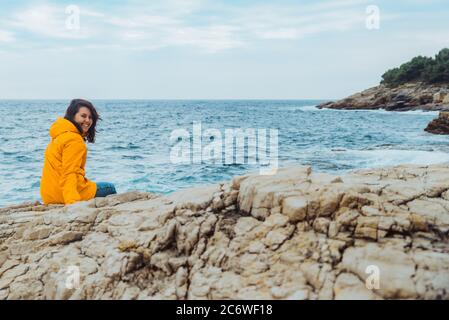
(63, 176)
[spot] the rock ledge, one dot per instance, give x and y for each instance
(294, 235)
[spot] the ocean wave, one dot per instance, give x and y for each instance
(135, 157)
(389, 157)
(309, 108)
(409, 112)
(129, 146)
(383, 111)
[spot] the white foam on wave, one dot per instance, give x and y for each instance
(309, 108)
(413, 112)
(383, 111)
(391, 157)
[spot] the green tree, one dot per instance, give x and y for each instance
(438, 70)
(420, 68)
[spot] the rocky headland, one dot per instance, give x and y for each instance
(405, 97)
(419, 84)
(369, 234)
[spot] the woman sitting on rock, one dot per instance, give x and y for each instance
(63, 176)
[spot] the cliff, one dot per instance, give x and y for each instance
(409, 96)
(294, 235)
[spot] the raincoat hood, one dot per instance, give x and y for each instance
(61, 126)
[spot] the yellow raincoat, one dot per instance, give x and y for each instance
(63, 176)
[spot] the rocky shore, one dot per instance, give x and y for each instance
(439, 125)
(409, 96)
(294, 235)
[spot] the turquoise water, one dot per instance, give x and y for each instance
(133, 142)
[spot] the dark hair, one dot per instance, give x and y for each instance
(73, 109)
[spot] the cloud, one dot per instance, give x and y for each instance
(208, 26)
(227, 27)
(207, 39)
(145, 29)
(48, 21)
(211, 39)
(6, 36)
(332, 5)
(142, 21)
(275, 27)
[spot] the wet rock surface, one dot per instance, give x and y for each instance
(294, 235)
(439, 125)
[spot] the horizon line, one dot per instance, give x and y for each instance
(166, 99)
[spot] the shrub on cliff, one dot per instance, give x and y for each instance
(424, 69)
(438, 70)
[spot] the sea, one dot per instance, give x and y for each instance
(162, 146)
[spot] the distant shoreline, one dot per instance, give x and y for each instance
(406, 97)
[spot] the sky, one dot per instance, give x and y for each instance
(200, 49)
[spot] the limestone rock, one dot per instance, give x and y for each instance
(408, 96)
(349, 287)
(370, 234)
(295, 208)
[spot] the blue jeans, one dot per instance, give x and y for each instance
(104, 189)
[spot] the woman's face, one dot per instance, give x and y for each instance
(84, 119)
